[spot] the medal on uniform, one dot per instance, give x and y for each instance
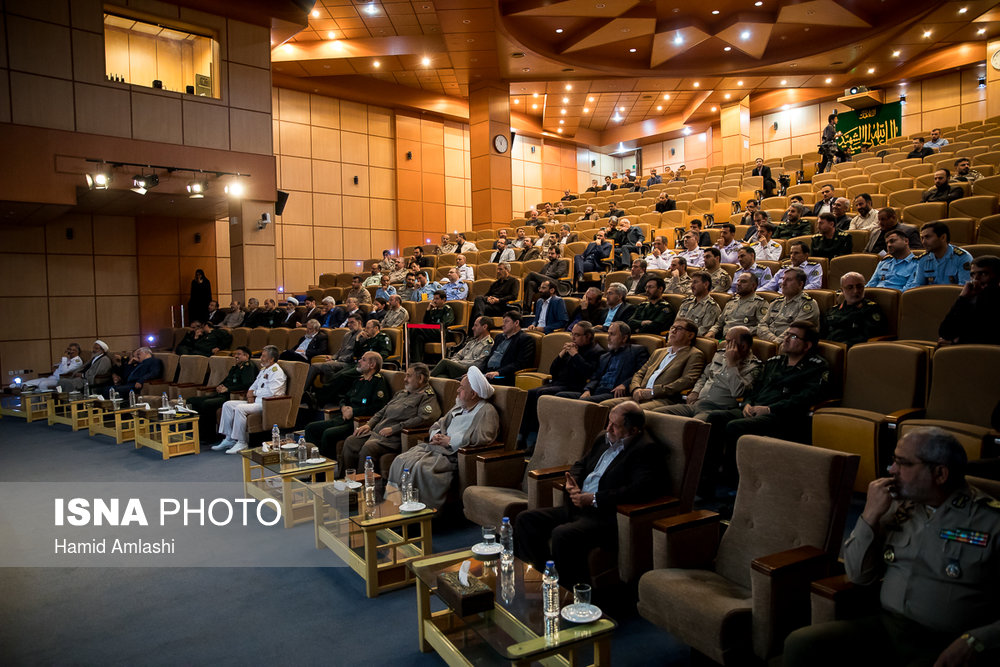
(952, 569)
(889, 556)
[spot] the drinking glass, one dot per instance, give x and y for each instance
(414, 495)
(581, 594)
(489, 535)
(349, 474)
(314, 452)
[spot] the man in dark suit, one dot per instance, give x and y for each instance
(825, 204)
(664, 203)
(311, 312)
(418, 257)
(591, 309)
(215, 316)
(556, 270)
(608, 185)
(631, 238)
(888, 222)
(255, 316)
(312, 344)
(614, 369)
(592, 259)
(550, 309)
(513, 350)
(149, 368)
(624, 465)
(569, 371)
(763, 170)
(618, 309)
(498, 298)
(636, 282)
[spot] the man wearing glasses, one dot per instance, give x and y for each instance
(931, 540)
(790, 383)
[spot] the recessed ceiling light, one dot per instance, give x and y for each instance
(330, 34)
(784, 81)
(559, 31)
(927, 33)
(687, 130)
(621, 108)
(376, 63)
(523, 69)
(559, 130)
(562, 122)
(739, 83)
(715, 11)
(315, 13)
(758, 3)
(678, 40)
(586, 110)
(871, 70)
(697, 84)
(829, 80)
(590, 99)
(895, 54)
(535, 95)
(727, 96)
(713, 108)
(631, 50)
(981, 31)
(963, 10)
(534, 106)
(745, 35)
(660, 108)
(425, 61)
(569, 86)
(371, 9)
(562, 111)
(728, 48)
(565, 100)
(666, 96)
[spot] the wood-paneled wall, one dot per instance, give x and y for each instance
(541, 169)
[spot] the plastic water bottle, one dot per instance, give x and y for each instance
(369, 473)
(164, 401)
(506, 542)
(275, 438)
(112, 394)
(550, 589)
(303, 451)
(405, 485)
(86, 389)
(131, 399)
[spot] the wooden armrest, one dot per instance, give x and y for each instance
(277, 398)
(784, 561)
(639, 509)
(526, 370)
(687, 520)
(417, 430)
(548, 473)
(880, 338)
(362, 419)
(473, 449)
(831, 588)
(499, 455)
(893, 418)
(831, 403)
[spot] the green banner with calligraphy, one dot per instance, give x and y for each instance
(874, 126)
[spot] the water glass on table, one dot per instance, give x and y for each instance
(349, 474)
(489, 535)
(581, 593)
(414, 495)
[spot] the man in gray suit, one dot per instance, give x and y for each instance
(95, 372)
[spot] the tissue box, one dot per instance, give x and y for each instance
(258, 455)
(464, 600)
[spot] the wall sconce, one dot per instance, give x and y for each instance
(774, 126)
(593, 163)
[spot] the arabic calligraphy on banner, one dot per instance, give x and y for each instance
(869, 126)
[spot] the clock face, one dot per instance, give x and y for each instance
(995, 60)
(500, 143)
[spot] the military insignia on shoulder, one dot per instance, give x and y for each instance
(806, 308)
(428, 409)
(786, 263)
(995, 504)
(810, 262)
(960, 501)
(275, 367)
(429, 390)
(957, 251)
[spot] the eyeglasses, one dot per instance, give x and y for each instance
(790, 336)
(904, 463)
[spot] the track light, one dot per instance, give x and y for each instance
(99, 180)
(235, 189)
(142, 183)
(196, 189)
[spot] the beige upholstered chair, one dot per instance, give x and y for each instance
(885, 383)
(507, 483)
(193, 369)
(218, 369)
(735, 599)
(156, 387)
(282, 410)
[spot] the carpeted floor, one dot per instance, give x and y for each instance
(214, 615)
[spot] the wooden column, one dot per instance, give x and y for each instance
(992, 81)
(489, 116)
(735, 128)
(252, 253)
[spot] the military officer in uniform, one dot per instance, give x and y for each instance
(855, 319)
(655, 315)
(439, 313)
(943, 263)
(373, 339)
(270, 381)
(898, 266)
(721, 280)
(793, 305)
(932, 542)
(700, 307)
(416, 405)
(747, 259)
(798, 258)
(239, 378)
(746, 309)
(678, 280)
(368, 393)
(830, 242)
(764, 247)
(476, 348)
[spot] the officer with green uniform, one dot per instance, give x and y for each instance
(373, 339)
(931, 540)
(793, 305)
(370, 339)
(700, 307)
(439, 313)
(415, 406)
(839, 244)
(654, 316)
(239, 378)
(368, 393)
(746, 309)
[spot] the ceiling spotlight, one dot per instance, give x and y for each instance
(784, 81)
(99, 180)
(559, 31)
(371, 9)
(727, 96)
(659, 108)
(559, 130)
(758, 3)
(745, 35)
(142, 183)
(697, 84)
(425, 61)
(534, 106)
(621, 108)
(376, 63)
(666, 96)
(713, 109)
(631, 50)
(196, 189)
(617, 118)
(963, 10)
(871, 70)
(330, 34)
(586, 110)
(590, 99)
(687, 130)
(981, 31)
(715, 11)
(565, 100)
(569, 86)
(739, 83)
(517, 101)
(927, 33)
(828, 80)
(535, 95)
(678, 39)
(727, 49)
(235, 189)
(895, 54)
(315, 13)
(562, 122)
(562, 111)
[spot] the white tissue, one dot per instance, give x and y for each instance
(463, 573)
